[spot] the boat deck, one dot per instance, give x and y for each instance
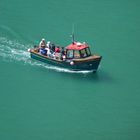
(45, 56)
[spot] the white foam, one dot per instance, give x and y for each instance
(13, 50)
(65, 70)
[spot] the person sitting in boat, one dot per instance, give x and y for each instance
(48, 44)
(42, 46)
(57, 49)
(62, 51)
(63, 54)
(52, 47)
(49, 52)
(57, 52)
(42, 43)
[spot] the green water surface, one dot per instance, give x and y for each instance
(38, 102)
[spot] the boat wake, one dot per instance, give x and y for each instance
(58, 69)
(11, 50)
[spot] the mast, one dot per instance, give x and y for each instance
(72, 38)
(73, 34)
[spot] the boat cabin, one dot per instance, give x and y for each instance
(77, 50)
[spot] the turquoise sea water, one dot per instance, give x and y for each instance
(41, 102)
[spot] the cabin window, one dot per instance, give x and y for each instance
(83, 53)
(69, 53)
(88, 51)
(76, 54)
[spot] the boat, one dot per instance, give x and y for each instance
(76, 57)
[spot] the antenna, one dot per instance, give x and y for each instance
(73, 33)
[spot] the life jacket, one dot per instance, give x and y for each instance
(57, 50)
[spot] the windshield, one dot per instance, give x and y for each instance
(69, 53)
(83, 53)
(88, 51)
(76, 54)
